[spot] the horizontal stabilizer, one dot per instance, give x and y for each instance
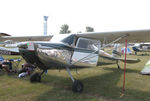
(129, 60)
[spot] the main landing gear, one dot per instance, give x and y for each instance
(77, 85)
(36, 77)
(117, 65)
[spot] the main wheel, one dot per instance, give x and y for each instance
(35, 77)
(77, 86)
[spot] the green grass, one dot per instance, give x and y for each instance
(103, 83)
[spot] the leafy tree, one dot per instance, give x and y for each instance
(89, 29)
(64, 29)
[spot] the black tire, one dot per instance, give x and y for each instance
(77, 86)
(35, 77)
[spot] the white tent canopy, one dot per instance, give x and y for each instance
(146, 69)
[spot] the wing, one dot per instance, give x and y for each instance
(131, 36)
(9, 51)
(26, 38)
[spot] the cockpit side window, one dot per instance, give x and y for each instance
(87, 44)
(82, 44)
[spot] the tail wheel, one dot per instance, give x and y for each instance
(77, 86)
(35, 77)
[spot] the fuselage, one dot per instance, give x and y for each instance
(71, 52)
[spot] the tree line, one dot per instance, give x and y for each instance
(65, 29)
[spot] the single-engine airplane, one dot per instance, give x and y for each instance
(77, 51)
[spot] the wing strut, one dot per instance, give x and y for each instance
(115, 41)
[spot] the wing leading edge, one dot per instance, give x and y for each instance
(26, 38)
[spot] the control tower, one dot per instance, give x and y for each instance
(45, 25)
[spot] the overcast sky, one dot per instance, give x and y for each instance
(25, 17)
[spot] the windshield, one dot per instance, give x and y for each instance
(58, 37)
(69, 40)
(65, 38)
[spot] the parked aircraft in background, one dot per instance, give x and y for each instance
(77, 51)
(141, 47)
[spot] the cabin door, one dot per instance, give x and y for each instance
(86, 52)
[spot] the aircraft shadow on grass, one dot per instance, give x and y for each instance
(104, 86)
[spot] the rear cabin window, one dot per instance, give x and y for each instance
(88, 44)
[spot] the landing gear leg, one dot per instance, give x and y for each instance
(77, 85)
(118, 65)
(135, 53)
(36, 77)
